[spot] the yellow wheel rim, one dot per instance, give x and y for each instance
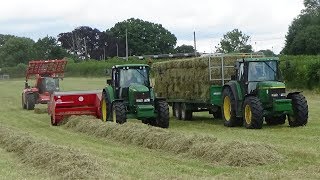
(227, 108)
(104, 110)
(247, 114)
(114, 116)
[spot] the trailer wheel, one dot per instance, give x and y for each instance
(162, 119)
(217, 114)
(300, 111)
(185, 114)
(276, 120)
(252, 113)
(119, 113)
(177, 111)
(105, 107)
(229, 109)
(30, 101)
(24, 106)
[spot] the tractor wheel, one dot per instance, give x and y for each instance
(229, 109)
(105, 107)
(30, 101)
(185, 114)
(252, 113)
(119, 113)
(273, 120)
(162, 109)
(24, 106)
(300, 111)
(177, 111)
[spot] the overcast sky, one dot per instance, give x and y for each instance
(265, 21)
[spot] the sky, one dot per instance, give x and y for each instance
(266, 22)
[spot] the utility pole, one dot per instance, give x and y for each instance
(195, 43)
(126, 44)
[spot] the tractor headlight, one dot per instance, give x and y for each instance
(146, 100)
(139, 100)
(274, 95)
(283, 95)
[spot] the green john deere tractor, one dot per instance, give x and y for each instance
(256, 93)
(129, 95)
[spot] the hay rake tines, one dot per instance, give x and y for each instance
(52, 68)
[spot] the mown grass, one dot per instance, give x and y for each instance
(299, 146)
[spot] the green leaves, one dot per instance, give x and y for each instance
(234, 41)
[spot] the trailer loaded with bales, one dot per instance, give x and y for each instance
(243, 89)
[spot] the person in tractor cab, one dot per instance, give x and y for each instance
(131, 77)
(255, 72)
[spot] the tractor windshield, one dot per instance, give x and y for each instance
(134, 76)
(49, 84)
(263, 71)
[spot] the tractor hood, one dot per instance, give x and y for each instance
(271, 85)
(138, 88)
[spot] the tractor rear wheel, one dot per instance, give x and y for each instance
(30, 101)
(185, 114)
(119, 113)
(252, 113)
(162, 109)
(300, 111)
(229, 109)
(24, 106)
(177, 111)
(273, 120)
(105, 107)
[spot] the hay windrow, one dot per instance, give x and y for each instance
(40, 110)
(204, 147)
(60, 161)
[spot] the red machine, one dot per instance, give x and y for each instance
(47, 73)
(64, 104)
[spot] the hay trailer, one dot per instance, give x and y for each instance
(47, 74)
(129, 95)
(65, 104)
(243, 89)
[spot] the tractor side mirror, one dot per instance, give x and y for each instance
(109, 82)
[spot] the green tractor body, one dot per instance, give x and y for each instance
(256, 94)
(128, 95)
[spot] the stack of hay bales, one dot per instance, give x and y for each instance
(189, 78)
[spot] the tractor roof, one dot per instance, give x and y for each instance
(259, 59)
(130, 65)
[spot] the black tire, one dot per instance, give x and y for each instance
(176, 110)
(53, 123)
(217, 114)
(185, 114)
(162, 109)
(273, 120)
(119, 112)
(24, 106)
(300, 111)
(252, 113)
(105, 107)
(30, 101)
(230, 118)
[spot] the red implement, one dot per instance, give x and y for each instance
(65, 104)
(48, 68)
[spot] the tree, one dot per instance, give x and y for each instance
(16, 50)
(234, 42)
(144, 37)
(267, 53)
(48, 48)
(302, 31)
(87, 42)
(184, 49)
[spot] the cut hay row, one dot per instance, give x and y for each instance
(59, 161)
(189, 78)
(206, 148)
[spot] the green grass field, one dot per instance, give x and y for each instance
(300, 147)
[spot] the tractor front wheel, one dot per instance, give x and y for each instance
(229, 109)
(252, 113)
(162, 109)
(30, 101)
(119, 113)
(300, 111)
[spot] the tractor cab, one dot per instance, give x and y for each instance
(48, 84)
(258, 73)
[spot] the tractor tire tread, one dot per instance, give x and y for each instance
(300, 110)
